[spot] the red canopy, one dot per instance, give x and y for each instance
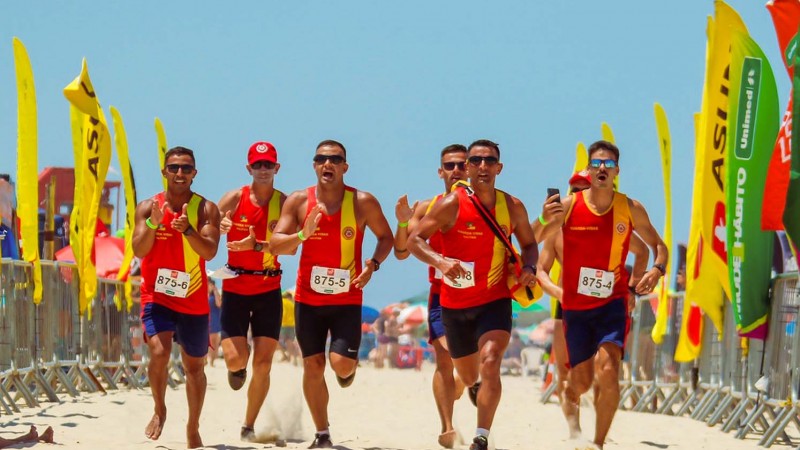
(108, 252)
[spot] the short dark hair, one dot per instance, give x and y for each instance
(485, 143)
(5, 176)
(333, 143)
(453, 148)
(603, 145)
(174, 151)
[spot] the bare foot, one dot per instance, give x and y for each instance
(30, 436)
(193, 440)
(153, 429)
(448, 439)
(47, 436)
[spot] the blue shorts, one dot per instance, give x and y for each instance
(586, 330)
(435, 324)
(191, 330)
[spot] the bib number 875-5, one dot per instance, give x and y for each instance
(321, 280)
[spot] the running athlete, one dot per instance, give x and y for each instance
(552, 249)
(475, 299)
(446, 387)
(596, 230)
(329, 219)
(175, 233)
(252, 299)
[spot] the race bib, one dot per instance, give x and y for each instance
(172, 282)
(595, 282)
(330, 281)
(437, 274)
(464, 281)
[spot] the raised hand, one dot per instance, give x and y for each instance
(402, 211)
(313, 219)
(156, 213)
(552, 208)
(245, 244)
(226, 223)
(181, 223)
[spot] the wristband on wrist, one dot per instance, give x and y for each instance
(150, 224)
(188, 231)
(301, 236)
(402, 224)
(541, 220)
(533, 268)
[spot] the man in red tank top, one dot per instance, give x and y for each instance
(552, 250)
(476, 301)
(175, 233)
(596, 233)
(330, 219)
(446, 387)
(251, 298)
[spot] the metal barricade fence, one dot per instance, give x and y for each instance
(49, 349)
(642, 352)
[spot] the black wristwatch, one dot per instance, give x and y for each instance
(661, 268)
(376, 264)
(188, 231)
(533, 268)
(258, 247)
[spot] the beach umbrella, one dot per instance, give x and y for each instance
(543, 331)
(108, 252)
(413, 315)
(392, 306)
(369, 314)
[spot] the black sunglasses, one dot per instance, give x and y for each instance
(334, 159)
(185, 168)
(452, 165)
(269, 165)
(477, 160)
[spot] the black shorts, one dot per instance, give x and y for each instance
(312, 324)
(559, 313)
(464, 327)
(262, 313)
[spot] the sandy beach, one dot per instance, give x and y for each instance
(383, 409)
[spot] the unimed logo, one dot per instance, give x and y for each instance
(748, 107)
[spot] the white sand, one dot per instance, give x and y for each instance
(383, 409)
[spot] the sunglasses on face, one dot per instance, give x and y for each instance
(477, 160)
(334, 159)
(449, 166)
(609, 163)
(185, 168)
(258, 165)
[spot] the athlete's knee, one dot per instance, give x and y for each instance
(314, 365)
(193, 366)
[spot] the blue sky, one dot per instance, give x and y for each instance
(394, 81)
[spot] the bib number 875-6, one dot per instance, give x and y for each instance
(171, 283)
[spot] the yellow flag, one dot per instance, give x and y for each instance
(709, 192)
(27, 165)
(608, 135)
(689, 339)
(162, 148)
(76, 124)
(96, 155)
(581, 158)
(121, 142)
(665, 143)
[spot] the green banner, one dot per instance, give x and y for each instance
(791, 215)
(753, 121)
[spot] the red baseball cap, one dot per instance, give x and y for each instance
(583, 175)
(262, 151)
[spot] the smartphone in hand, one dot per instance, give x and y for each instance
(554, 191)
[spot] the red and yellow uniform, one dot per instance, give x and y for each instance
(595, 249)
(263, 218)
(435, 241)
(331, 258)
(471, 241)
(171, 250)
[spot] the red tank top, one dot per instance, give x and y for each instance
(434, 277)
(263, 218)
(335, 245)
(595, 243)
(472, 241)
(171, 250)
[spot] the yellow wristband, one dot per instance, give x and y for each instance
(402, 224)
(301, 236)
(150, 224)
(541, 220)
